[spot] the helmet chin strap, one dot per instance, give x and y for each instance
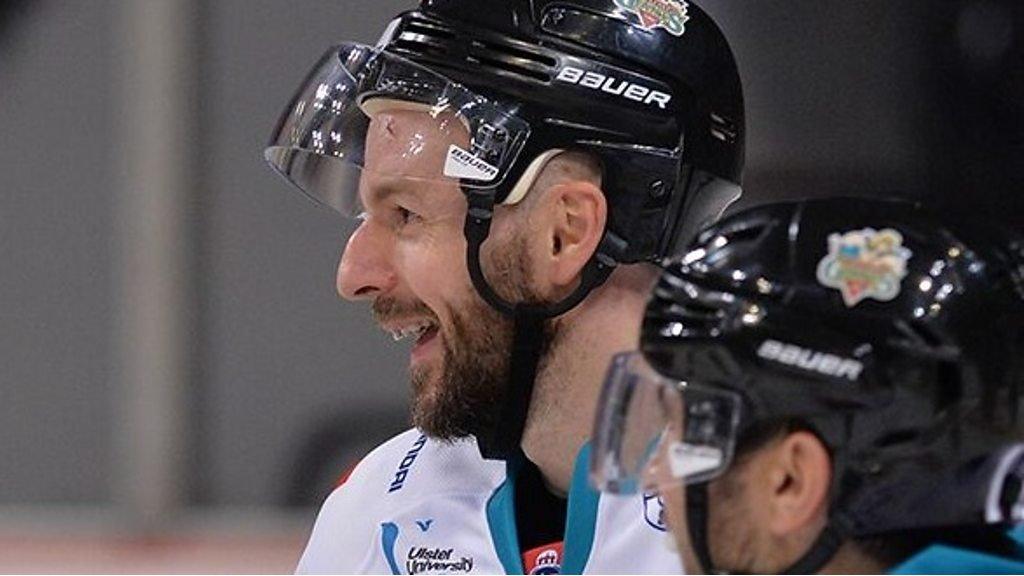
(821, 552)
(503, 440)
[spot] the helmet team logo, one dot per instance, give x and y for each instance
(865, 264)
(668, 14)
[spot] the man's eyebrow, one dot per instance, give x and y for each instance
(382, 191)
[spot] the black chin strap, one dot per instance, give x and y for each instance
(820, 553)
(823, 550)
(527, 342)
(503, 440)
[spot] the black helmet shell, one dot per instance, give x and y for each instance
(588, 75)
(912, 391)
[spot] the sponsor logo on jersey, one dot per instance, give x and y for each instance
(544, 560)
(810, 360)
(614, 86)
(654, 511)
(865, 264)
(422, 560)
(406, 464)
(424, 524)
(671, 15)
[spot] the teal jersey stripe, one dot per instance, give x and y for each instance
(579, 524)
(582, 517)
(501, 519)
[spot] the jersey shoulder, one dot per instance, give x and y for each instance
(407, 471)
(411, 465)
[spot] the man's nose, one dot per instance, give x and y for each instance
(365, 270)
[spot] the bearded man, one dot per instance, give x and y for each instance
(517, 167)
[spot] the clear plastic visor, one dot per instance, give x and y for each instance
(652, 432)
(364, 116)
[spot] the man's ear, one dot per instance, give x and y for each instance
(572, 219)
(798, 474)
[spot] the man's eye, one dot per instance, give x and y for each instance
(406, 216)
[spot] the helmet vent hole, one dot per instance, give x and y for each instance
(419, 47)
(511, 68)
(948, 390)
(896, 438)
(921, 338)
(928, 336)
(696, 312)
(749, 232)
(508, 50)
(427, 30)
(426, 38)
(723, 128)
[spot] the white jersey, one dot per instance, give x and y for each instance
(421, 506)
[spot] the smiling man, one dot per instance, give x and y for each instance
(830, 386)
(516, 168)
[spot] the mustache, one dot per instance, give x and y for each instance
(387, 309)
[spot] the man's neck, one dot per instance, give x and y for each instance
(849, 559)
(569, 380)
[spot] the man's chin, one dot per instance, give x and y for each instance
(444, 418)
(429, 412)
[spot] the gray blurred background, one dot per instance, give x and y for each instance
(172, 351)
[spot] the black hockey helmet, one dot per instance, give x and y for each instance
(650, 88)
(894, 336)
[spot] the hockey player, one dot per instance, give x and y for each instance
(516, 167)
(837, 385)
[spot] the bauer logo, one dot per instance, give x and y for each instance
(865, 264)
(668, 14)
(810, 360)
(463, 164)
(614, 86)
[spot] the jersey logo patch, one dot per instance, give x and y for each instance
(865, 264)
(425, 524)
(545, 559)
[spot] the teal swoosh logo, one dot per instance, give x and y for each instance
(388, 536)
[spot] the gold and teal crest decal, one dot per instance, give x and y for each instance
(668, 14)
(864, 264)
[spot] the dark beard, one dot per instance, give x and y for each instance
(466, 398)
